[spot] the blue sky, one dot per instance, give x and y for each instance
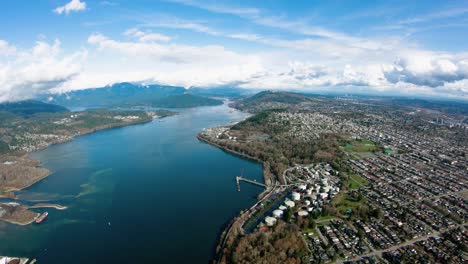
(376, 47)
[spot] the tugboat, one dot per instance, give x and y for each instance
(42, 217)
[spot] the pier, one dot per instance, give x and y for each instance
(239, 179)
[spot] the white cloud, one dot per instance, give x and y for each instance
(108, 3)
(73, 5)
(427, 68)
(146, 36)
(164, 21)
(114, 61)
(26, 73)
(416, 72)
(6, 49)
(380, 66)
(244, 36)
(174, 53)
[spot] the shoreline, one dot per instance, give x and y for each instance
(235, 224)
(46, 205)
(9, 193)
(266, 179)
(91, 131)
(21, 223)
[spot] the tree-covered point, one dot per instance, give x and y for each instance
(185, 101)
(270, 100)
(30, 107)
(281, 97)
(219, 92)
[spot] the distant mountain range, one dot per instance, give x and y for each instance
(130, 94)
(117, 94)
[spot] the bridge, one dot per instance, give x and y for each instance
(239, 179)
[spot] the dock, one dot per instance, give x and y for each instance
(239, 179)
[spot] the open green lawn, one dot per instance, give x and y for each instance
(360, 145)
(356, 182)
(353, 185)
(325, 218)
(310, 230)
(345, 203)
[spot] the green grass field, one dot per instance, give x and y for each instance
(360, 145)
(344, 202)
(356, 182)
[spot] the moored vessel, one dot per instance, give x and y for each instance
(41, 218)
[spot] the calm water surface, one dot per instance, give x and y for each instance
(148, 193)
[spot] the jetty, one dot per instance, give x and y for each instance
(239, 179)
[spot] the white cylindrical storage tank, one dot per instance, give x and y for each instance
(289, 203)
(278, 213)
(296, 196)
(302, 213)
(270, 221)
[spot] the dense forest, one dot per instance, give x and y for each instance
(283, 245)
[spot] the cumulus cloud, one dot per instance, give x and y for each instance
(314, 57)
(145, 56)
(72, 6)
(415, 72)
(175, 53)
(428, 69)
(26, 73)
